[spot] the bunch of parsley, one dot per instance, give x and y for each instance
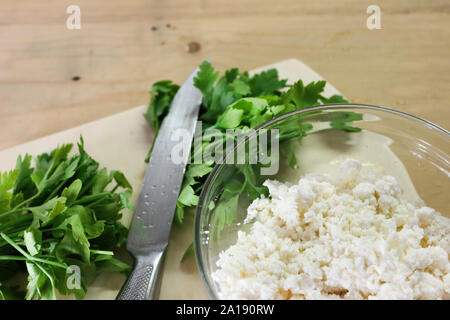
(239, 101)
(59, 217)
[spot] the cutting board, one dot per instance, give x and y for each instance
(121, 142)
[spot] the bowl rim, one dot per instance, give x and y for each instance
(211, 177)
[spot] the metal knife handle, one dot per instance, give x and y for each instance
(143, 282)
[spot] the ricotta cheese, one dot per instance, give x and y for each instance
(348, 236)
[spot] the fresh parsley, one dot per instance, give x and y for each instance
(239, 101)
(62, 212)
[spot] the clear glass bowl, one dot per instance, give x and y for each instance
(413, 150)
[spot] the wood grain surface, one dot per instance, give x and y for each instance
(52, 78)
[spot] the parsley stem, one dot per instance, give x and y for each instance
(47, 274)
(91, 197)
(17, 258)
(50, 262)
(86, 187)
(115, 188)
(14, 233)
(15, 223)
(7, 213)
(27, 201)
(90, 205)
(55, 191)
(28, 256)
(19, 207)
(108, 253)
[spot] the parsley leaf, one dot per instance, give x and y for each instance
(161, 97)
(205, 80)
(266, 83)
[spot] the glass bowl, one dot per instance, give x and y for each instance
(413, 150)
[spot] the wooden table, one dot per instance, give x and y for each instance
(52, 78)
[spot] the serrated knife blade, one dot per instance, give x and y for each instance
(152, 220)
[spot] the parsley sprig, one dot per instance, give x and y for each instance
(239, 101)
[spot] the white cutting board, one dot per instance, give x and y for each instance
(121, 142)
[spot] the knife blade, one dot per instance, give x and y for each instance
(152, 220)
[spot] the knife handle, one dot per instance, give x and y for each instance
(143, 282)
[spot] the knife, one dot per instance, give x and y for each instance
(150, 227)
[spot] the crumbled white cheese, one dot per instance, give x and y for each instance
(351, 237)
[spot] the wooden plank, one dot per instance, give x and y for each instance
(118, 55)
